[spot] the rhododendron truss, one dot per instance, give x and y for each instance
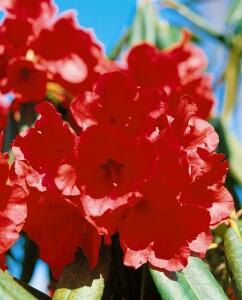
(179, 69)
(34, 58)
(135, 169)
(63, 227)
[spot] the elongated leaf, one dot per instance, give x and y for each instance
(233, 252)
(137, 30)
(10, 290)
(166, 35)
(235, 155)
(79, 282)
(150, 18)
(195, 282)
(235, 13)
(231, 79)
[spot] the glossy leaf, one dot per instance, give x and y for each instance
(9, 289)
(195, 282)
(79, 282)
(233, 252)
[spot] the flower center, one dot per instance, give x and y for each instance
(25, 73)
(112, 172)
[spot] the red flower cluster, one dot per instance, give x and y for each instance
(178, 69)
(55, 225)
(35, 63)
(32, 52)
(13, 209)
(135, 169)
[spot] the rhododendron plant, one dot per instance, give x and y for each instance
(114, 166)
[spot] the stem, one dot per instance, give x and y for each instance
(143, 282)
(197, 20)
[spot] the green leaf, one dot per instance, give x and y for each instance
(10, 290)
(150, 18)
(235, 155)
(195, 282)
(235, 13)
(79, 282)
(144, 25)
(233, 253)
(166, 35)
(231, 79)
(137, 34)
(221, 230)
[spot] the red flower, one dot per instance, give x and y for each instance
(37, 11)
(45, 163)
(12, 209)
(207, 190)
(201, 89)
(12, 215)
(15, 38)
(115, 196)
(120, 175)
(74, 62)
(116, 168)
(190, 144)
(63, 226)
(188, 189)
(178, 70)
(26, 80)
(15, 35)
(189, 131)
(110, 177)
(63, 229)
(158, 230)
(119, 102)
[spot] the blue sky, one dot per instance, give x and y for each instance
(108, 18)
